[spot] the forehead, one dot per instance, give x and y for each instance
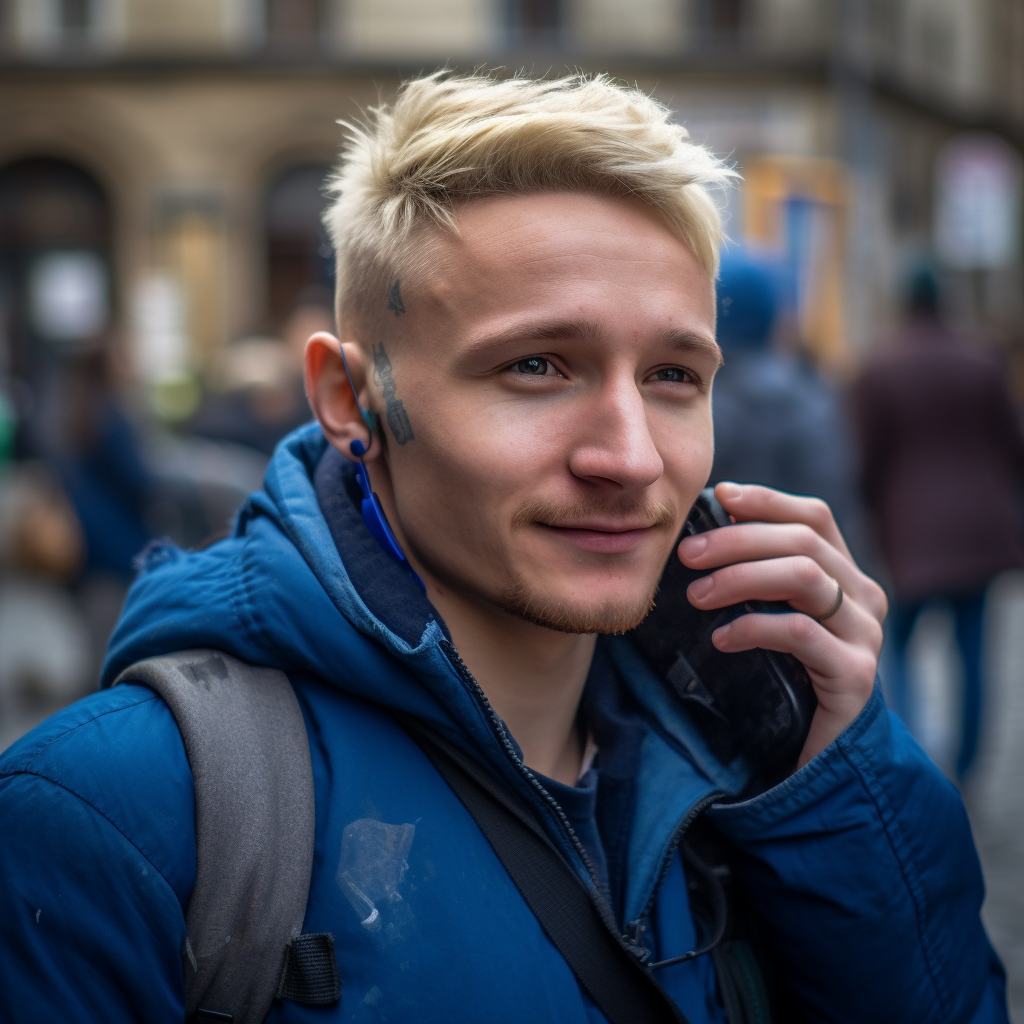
(579, 254)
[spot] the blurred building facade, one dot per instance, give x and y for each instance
(160, 163)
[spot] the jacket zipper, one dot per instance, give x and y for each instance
(499, 729)
(630, 939)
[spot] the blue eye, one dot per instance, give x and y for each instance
(534, 366)
(674, 375)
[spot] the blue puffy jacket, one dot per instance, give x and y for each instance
(860, 865)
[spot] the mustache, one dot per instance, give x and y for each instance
(567, 514)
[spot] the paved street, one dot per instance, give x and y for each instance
(996, 796)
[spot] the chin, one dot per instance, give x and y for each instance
(616, 614)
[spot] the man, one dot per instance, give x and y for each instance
(526, 307)
(941, 447)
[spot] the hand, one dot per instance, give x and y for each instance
(788, 548)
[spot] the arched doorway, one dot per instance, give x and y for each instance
(56, 289)
(299, 253)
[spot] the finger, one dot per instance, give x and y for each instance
(744, 542)
(837, 668)
(747, 542)
(747, 502)
(798, 580)
(752, 542)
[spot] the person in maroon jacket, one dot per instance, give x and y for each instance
(942, 469)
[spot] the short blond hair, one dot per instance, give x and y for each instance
(447, 139)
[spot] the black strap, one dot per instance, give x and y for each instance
(310, 973)
(622, 988)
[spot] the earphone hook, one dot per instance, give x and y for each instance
(372, 510)
(369, 418)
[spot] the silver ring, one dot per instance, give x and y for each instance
(834, 607)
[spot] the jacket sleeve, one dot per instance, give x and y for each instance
(90, 930)
(863, 870)
(97, 858)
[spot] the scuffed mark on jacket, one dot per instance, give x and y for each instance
(372, 865)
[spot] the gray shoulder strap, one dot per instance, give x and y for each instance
(247, 746)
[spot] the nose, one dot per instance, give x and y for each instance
(614, 441)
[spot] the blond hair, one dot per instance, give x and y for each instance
(447, 139)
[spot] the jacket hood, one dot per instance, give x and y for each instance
(278, 592)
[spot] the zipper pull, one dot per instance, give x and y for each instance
(633, 943)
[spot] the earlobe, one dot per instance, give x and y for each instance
(333, 396)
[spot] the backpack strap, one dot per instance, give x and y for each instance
(249, 753)
(622, 988)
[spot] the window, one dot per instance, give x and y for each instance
(55, 259)
(53, 26)
(74, 18)
(299, 253)
(534, 21)
(722, 21)
(938, 46)
(294, 24)
(7, 34)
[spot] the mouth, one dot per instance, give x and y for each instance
(604, 538)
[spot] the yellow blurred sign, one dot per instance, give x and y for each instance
(797, 206)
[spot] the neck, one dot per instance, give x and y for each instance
(532, 676)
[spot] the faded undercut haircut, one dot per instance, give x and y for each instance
(447, 139)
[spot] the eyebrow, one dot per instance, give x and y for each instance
(575, 329)
(690, 341)
(572, 329)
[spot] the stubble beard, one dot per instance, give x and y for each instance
(562, 617)
(522, 601)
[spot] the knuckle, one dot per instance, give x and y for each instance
(803, 628)
(805, 540)
(875, 635)
(729, 574)
(819, 512)
(739, 629)
(806, 570)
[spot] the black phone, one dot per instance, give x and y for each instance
(756, 703)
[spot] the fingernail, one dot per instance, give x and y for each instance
(702, 587)
(695, 546)
(728, 491)
(720, 635)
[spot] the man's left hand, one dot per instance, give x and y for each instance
(788, 548)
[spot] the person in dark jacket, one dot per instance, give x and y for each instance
(524, 368)
(942, 472)
(777, 422)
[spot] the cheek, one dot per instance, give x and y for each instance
(477, 452)
(688, 456)
(457, 479)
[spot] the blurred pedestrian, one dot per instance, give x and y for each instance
(942, 468)
(262, 397)
(776, 421)
(92, 447)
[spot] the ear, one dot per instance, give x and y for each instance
(330, 394)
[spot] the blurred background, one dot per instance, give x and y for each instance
(162, 263)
